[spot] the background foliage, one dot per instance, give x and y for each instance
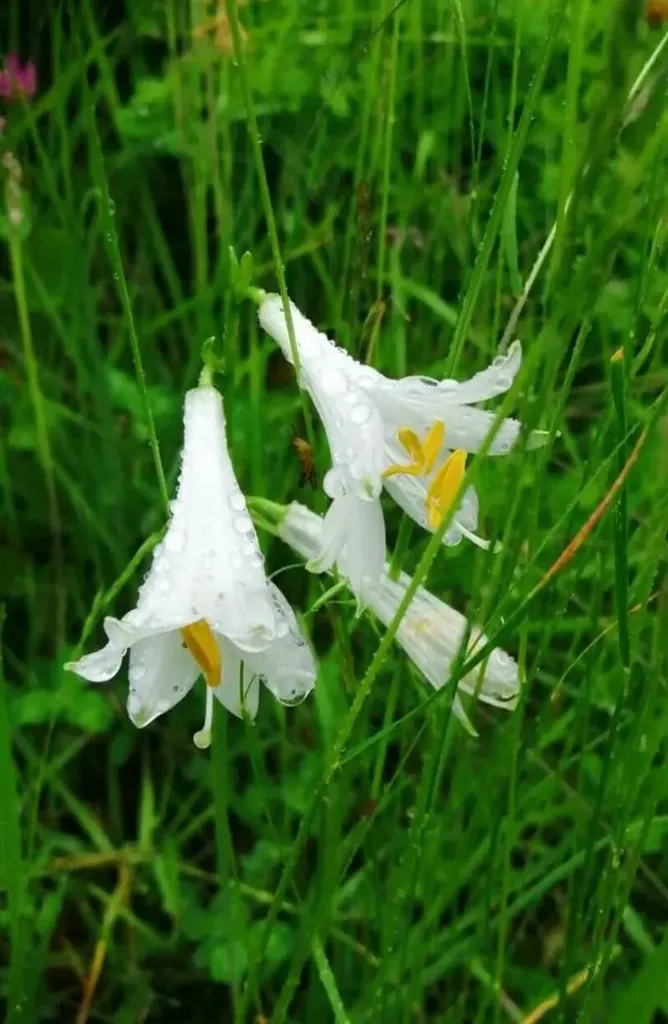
(418, 155)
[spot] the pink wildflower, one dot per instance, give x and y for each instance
(17, 80)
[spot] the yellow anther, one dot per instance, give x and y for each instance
(444, 487)
(411, 442)
(423, 453)
(432, 445)
(200, 641)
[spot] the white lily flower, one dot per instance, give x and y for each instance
(431, 632)
(206, 606)
(410, 435)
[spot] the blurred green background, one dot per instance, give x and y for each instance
(419, 156)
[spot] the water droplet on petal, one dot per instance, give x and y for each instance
(291, 700)
(236, 501)
(243, 523)
(360, 413)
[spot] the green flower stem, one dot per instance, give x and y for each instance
(334, 758)
(44, 453)
(618, 387)
(254, 134)
(401, 547)
(107, 215)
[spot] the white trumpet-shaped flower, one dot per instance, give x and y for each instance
(431, 632)
(206, 606)
(410, 435)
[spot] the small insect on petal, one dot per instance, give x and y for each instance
(200, 641)
(444, 487)
(305, 454)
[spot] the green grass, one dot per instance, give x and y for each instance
(400, 169)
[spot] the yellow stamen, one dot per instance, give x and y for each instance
(200, 641)
(411, 442)
(444, 487)
(433, 443)
(423, 453)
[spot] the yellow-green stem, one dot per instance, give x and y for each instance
(41, 432)
(254, 134)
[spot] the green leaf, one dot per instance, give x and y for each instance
(646, 992)
(12, 877)
(166, 871)
(509, 237)
(126, 395)
(228, 962)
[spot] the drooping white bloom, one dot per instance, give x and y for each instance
(410, 435)
(206, 606)
(431, 632)
(355, 432)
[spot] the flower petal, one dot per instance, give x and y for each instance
(494, 380)
(286, 667)
(363, 558)
(431, 632)
(208, 565)
(333, 536)
(239, 691)
(351, 420)
(353, 538)
(100, 666)
(501, 684)
(301, 530)
(162, 671)
(418, 402)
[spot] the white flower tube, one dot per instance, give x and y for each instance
(206, 606)
(431, 632)
(410, 435)
(354, 431)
